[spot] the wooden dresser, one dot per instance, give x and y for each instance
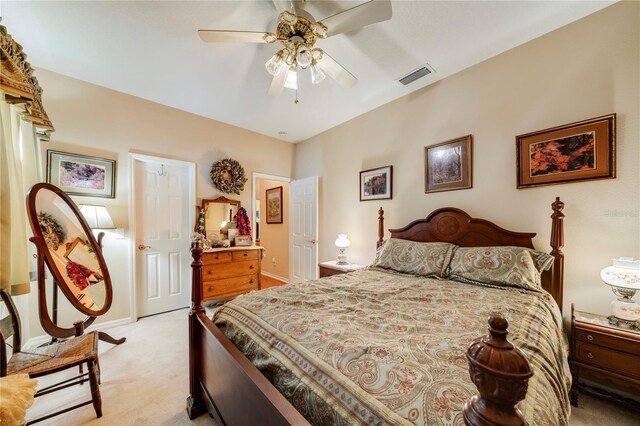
(230, 272)
(606, 351)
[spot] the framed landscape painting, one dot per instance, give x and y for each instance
(81, 175)
(376, 184)
(574, 152)
(274, 205)
(448, 165)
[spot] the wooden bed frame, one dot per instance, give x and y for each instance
(225, 383)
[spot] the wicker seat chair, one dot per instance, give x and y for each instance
(53, 358)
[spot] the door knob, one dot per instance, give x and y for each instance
(313, 241)
(143, 247)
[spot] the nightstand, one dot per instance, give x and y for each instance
(606, 351)
(332, 268)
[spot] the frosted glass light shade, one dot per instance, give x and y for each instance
(292, 79)
(97, 217)
(274, 64)
(342, 241)
(317, 75)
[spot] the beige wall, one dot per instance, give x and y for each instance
(96, 121)
(274, 237)
(586, 69)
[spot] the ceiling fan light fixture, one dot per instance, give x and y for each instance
(304, 57)
(292, 79)
(317, 75)
(274, 64)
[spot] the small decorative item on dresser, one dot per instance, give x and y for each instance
(607, 351)
(343, 243)
(333, 268)
(624, 279)
(243, 240)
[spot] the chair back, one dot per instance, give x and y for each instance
(9, 326)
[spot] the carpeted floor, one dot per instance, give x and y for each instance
(145, 382)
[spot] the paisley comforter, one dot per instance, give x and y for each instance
(381, 347)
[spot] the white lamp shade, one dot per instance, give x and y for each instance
(625, 273)
(342, 241)
(97, 217)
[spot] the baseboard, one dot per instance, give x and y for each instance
(275, 277)
(39, 340)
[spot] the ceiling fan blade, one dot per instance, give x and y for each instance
(221, 36)
(282, 5)
(357, 17)
(277, 84)
(337, 71)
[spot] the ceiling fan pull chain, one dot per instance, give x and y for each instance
(296, 101)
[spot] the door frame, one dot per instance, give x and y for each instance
(191, 178)
(254, 178)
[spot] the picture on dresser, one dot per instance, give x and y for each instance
(376, 184)
(81, 175)
(274, 205)
(573, 152)
(448, 165)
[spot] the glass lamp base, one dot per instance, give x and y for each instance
(342, 257)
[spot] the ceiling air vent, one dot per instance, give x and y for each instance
(416, 74)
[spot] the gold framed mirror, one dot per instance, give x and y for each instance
(218, 214)
(66, 245)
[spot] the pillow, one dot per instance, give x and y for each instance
(428, 259)
(502, 265)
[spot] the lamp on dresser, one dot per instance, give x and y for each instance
(343, 243)
(624, 279)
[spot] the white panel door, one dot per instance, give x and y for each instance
(304, 229)
(163, 234)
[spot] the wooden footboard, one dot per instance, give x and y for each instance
(225, 383)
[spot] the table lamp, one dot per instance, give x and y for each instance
(342, 242)
(624, 279)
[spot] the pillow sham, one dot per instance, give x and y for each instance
(501, 265)
(428, 259)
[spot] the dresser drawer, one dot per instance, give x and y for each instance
(229, 270)
(229, 287)
(245, 255)
(213, 258)
(608, 359)
(610, 341)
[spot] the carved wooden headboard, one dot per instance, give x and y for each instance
(455, 226)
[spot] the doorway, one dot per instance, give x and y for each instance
(269, 193)
(161, 220)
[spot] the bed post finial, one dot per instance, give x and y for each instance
(380, 227)
(557, 242)
(501, 373)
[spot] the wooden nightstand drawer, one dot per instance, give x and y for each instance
(326, 272)
(211, 258)
(228, 270)
(608, 340)
(608, 359)
(230, 287)
(245, 254)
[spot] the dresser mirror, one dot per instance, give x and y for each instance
(219, 216)
(66, 245)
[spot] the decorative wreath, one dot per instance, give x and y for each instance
(228, 176)
(53, 233)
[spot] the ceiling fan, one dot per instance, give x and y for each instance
(298, 32)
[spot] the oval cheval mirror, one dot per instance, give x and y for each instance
(66, 245)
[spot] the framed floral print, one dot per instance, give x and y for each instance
(81, 175)
(448, 165)
(575, 152)
(274, 205)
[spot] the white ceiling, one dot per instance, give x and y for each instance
(151, 50)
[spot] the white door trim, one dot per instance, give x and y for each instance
(254, 177)
(191, 173)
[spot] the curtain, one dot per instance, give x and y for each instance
(18, 172)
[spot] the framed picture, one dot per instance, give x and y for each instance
(575, 152)
(449, 165)
(81, 175)
(376, 184)
(243, 240)
(274, 205)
